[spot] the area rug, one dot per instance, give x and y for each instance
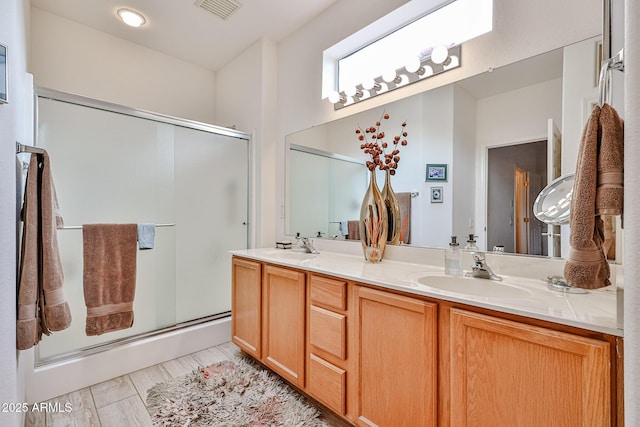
(231, 393)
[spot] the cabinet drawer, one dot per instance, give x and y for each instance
(328, 331)
(328, 292)
(327, 383)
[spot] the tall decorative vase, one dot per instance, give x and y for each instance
(394, 222)
(373, 222)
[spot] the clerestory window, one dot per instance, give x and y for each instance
(400, 49)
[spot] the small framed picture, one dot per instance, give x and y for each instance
(436, 194)
(436, 172)
(3, 74)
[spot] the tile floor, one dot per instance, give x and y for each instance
(120, 402)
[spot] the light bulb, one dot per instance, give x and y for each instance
(451, 62)
(428, 71)
(131, 18)
(413, 64)
(334, 97)
(353, 92)
(439, 54)
(389, 76)
(370, 84)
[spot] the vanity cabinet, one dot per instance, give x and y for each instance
(396, 350)
(378, 357)
(327, 355)
(283, 322)
(508, 373)
(246, 305)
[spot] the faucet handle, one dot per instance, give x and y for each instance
(479, 257)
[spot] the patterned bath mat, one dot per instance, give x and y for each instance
(236, 392)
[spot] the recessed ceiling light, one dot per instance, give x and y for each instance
(131, 17)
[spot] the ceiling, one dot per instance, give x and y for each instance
(183, 30)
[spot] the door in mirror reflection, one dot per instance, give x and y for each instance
(515, 173)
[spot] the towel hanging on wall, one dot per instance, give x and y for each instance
(597, 190)
(42, 307)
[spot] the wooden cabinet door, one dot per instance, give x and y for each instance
(246, 305)
(396, 340)
(283, 320)
(505, 373)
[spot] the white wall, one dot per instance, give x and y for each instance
(435, 227)
(13, 34)
(74, 58)
(246, 97)
(463, 169)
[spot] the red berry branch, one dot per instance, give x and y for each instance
(375, 144)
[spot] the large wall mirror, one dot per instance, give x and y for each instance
(503, 135)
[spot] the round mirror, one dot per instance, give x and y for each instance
(554, 202)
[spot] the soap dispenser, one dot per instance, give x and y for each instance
(471, 245)
(453, 258)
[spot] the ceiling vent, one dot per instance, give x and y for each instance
(223, 9)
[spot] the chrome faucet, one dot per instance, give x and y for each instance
(307, 244)
(480, 269)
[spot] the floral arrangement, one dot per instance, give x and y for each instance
(374, 144)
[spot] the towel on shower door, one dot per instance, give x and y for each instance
(353, 227)
(146, 236)
(109, 276)
(344, 228)
(404, 202)
(42, 307)
(597, 190)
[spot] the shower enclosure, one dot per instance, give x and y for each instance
(112, 164)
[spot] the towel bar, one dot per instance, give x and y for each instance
(604, 83)
(21, 148)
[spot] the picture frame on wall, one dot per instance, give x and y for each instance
(3, 75)
(436, 172)
(436, 194)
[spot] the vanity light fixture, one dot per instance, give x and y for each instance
(131, 17)
(438, 29)
(438, 60)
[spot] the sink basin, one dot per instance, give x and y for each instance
(284, 254)
(473, 286)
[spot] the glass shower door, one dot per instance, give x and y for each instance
(211, 187)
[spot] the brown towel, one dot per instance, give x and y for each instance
(28, 330)
(109, 276)
(610, 191)
(404, 201)
(354, 230)
(56, 314)
(41, 304)
(600, 151)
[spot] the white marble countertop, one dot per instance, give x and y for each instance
(595, 310)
